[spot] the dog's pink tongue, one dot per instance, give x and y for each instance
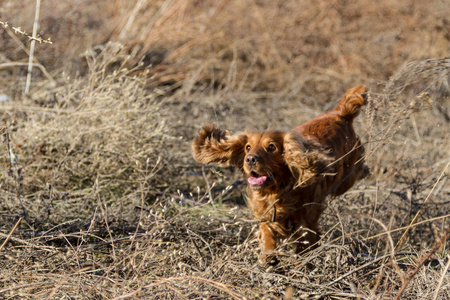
(257, 180)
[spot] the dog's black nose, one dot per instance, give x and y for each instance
(251, 159)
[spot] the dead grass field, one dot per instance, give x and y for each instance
(100, 197)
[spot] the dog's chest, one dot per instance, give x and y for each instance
(272, 207)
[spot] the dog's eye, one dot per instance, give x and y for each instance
(248, 148)
(271, 148)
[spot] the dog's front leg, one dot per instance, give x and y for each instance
(267, 243)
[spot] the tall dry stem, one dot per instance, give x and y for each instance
(33, 42)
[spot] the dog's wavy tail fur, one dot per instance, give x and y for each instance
(351, 103)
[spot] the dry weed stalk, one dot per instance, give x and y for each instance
(10, 233)
(33, 41)
(31, 59)
(444, 274)
(19, 30)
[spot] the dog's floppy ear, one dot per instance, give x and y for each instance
(305, 160)
(215, 145)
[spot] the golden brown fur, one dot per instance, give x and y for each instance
(290, 173)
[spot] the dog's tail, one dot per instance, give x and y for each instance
(351, 103)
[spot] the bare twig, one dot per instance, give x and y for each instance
(37, 38)
(444, 274)
(10, 233)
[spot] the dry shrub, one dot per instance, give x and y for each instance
(99, 132)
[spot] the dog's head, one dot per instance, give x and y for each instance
(263, 165)
(269, 159)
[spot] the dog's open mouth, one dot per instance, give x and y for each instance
(256, 180)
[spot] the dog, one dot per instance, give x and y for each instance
(289, 174)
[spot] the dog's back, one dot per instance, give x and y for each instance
(335, 131)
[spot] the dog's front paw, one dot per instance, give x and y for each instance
(269, 259)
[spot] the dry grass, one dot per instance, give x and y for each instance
(101, 199)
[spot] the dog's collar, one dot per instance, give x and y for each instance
(274, 213)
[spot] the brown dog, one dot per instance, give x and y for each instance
(289, 174)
